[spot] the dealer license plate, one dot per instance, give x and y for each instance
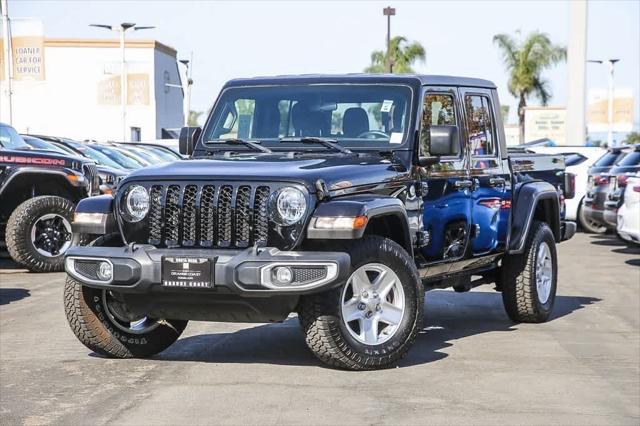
(190, 272)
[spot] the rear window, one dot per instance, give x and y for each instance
(631, 159)
(573, 159)
(607, 159)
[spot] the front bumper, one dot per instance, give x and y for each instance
(138, 269)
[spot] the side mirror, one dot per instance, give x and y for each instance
(444, 141)
(188, 138)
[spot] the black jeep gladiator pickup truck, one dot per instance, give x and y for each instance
(341, 198)
(38, 192)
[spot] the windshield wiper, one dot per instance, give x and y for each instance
(250, 144)
(329, 143)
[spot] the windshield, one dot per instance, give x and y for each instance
(631, 159)
(573, 159)
(96, 156)
(10, 139)
(357, 116)
(118, 157)
(607, 159)
(40, 144)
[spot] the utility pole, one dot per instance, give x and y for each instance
(612, 63)
(189, 64)
(576, 72)
(389, 12)
(8, 60)
(122, 29)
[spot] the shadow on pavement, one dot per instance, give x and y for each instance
(8, 295)
(446, 320)
(8, 266)
(607, 240)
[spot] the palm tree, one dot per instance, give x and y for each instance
(402, 55)
(193, 118)
(525, 60)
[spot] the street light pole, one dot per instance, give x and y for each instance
(8, 59)
(611, 94)
(389, 12)
(122, 29)
(612, 62)
(189, 64)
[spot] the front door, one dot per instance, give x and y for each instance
(491, 199)
(447, 204)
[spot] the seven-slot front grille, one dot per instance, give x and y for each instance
(208, 215)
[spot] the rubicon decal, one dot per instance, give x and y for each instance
(41, 161)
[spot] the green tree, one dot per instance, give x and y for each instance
(193, 118)
(402, 55)
(525, 60)
(632, 138)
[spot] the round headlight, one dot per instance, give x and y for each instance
(136, 203)
(290, 205)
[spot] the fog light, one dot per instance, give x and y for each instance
(105, 271)
(284, 275)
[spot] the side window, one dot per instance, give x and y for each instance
(482, 139)
(438, 110)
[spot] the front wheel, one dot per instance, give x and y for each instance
(529, 280)
(103, 323)
(372, 320)
(39, 233)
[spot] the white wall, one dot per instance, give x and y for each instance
(65, 103)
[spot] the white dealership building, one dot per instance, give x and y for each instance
(71, 87)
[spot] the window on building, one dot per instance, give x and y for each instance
(136, 134)
(480, 125)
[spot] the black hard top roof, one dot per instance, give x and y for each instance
(412, 79)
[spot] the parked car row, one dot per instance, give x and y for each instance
(113, 160)
(42, 178)
(609, 191)
(606, 193)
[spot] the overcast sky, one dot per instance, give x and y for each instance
(246, 38)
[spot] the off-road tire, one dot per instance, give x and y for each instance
(586, 225)
(18, 232)
(88, 320)
(326, 334)
(518, 282)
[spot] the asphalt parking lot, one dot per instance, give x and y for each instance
(469, 365)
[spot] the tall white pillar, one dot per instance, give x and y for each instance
(576, 68)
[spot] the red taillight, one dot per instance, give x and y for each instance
(636, 188)
(622, 180)
(601, 180)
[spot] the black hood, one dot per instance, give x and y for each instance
(337, 171)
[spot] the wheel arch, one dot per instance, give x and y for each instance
(534, 201)
(22, 186)
(386, 217)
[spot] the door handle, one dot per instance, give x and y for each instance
(497, 182)
(463, 184)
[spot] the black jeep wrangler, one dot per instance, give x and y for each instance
(38, 192)
(341, 198)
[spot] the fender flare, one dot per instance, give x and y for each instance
(94, 215)
(26, 171)
(373, 207)
(526, 199)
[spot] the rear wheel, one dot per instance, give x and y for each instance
(372, 320)
(588, 224)
(529, 280)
